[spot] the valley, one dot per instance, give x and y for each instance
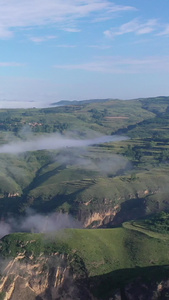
(96, 201)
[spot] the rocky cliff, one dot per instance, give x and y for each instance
(53, 278)
(43, 278)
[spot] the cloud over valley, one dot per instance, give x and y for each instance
(54, 141)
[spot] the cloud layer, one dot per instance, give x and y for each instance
(122, 65)
(54, 141)
(23, 13)
(134, 26)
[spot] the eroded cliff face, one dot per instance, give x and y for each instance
(43, 278)
(52, 278)
(113, 212)
(100, 219)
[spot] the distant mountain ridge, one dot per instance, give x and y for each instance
(79, 102)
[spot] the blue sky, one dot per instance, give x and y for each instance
(81, 49)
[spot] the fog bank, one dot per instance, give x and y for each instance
(55, 141)
(35, 222)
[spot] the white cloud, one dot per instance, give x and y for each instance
(72, 29)
(134, 26)
(5, 32)
(165, 31)
(111, 12)
(40, 39)
(23, 13)
(120, 65)
(102, 47)
(11, 64)
(102, 19)
(65, 46)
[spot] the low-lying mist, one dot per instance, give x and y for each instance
(38, 223)
(71, 152)
(102, 163)
(54, 141)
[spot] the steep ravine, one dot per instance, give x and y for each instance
(107, 213)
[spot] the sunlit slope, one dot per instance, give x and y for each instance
(105, 117)
(102, 251)
(82, 120)
(104, 259)
(71, 188)
(17, 171)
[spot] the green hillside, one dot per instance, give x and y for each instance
(101, 253)
(103, 186)
(115, 181)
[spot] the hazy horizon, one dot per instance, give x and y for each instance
(12, 104)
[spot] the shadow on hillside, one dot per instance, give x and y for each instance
(10, 206)
(40, 179)
(18, 205)
(132, 209)
(57, 201)
(138, 281)
(138, 208)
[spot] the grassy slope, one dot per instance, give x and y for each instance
(117, 248)
(111, 256)
(78, 118)
(72, 195)
(81, 117)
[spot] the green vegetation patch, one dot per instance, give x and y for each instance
(157, 223)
